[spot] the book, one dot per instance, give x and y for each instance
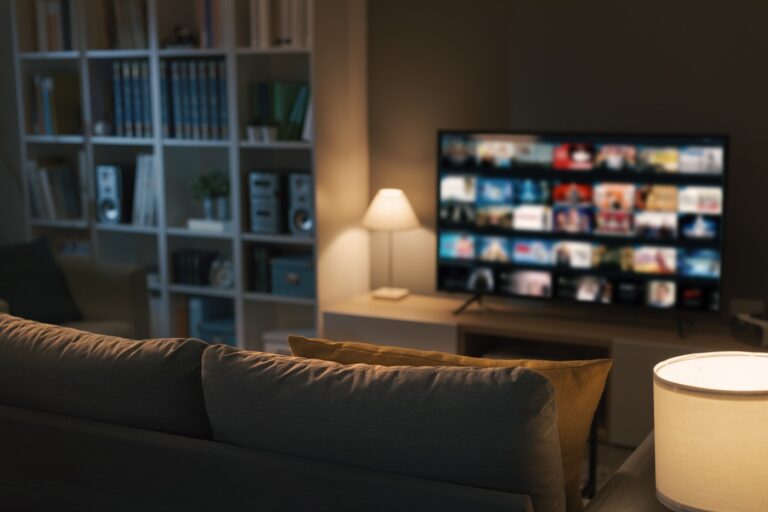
(117, 99)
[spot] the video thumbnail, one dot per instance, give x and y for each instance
(457, 246)
(527, 283)
(700, 263)
(699, 227)
(532, 252)
(707, 200)
(532, 218)
(494, 248)
(701, 160)
(658, 159)
(654, 260)
(572, 219)
(573, 254)
(660, 198)
(572, 193)
(661, 225)
(613, 223)
(575, 156)
(531, 192)
(616, 157)
(585, 289)
(661, 294)
(614, 196)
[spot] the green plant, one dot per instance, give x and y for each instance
(214, 183)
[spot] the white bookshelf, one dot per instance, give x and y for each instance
(179, 160)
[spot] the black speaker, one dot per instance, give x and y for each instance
(114, 194)
(301, 214)
(265, 192)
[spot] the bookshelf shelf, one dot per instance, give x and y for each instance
(279, 299)
(121, 141)
(117, 54)
(65, 55)
(278, 239)
(203, 291)
(54, 139)
(127, 228)
(190, 233)
(60, 223)
(195, 143)
(285, 144)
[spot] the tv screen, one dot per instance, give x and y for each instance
(606, 219)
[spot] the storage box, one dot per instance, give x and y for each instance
(218, 330)
(293, 276)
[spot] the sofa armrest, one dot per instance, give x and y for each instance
(4, 308)
(633, 487)
(108, 291)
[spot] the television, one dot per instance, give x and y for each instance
(586, 218)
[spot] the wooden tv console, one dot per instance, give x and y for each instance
(634, 342)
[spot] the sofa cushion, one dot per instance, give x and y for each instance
(578, 388)
(152, 384)
(493, 428)
(33, 284)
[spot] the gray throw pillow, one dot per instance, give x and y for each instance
(493, 428)
(151, 384)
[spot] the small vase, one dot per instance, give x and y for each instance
(222, 208)
(208, 208)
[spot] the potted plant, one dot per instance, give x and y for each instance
(212, 188)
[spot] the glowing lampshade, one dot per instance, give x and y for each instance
(711, 431)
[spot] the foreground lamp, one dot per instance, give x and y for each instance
(390, 211)
(711, 431)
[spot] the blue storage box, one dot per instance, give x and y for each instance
(293, 276)
(218, 330)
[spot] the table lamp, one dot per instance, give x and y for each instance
(711, 431)
(390, 211)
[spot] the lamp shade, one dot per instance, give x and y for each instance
(390, 211)
(711, 431)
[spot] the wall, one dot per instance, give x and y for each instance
(11, 207)
(683, 66)
(431, 65)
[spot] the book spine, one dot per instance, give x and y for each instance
(223, 113)
(165, 107)
(202, 78)
(213, 95)
(117, 99)
(127, 99)
(194, 99)
(146, 99)
(138, 111)
(176, 100)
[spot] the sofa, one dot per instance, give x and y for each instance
(94, 422)
(74, 291)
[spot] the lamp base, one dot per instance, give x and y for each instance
(385, 292)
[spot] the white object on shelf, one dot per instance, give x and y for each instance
(209, 226)
(276, 341)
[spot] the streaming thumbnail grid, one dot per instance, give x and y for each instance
(656, 292)
(652, 211)
(498, 151)
(640, 260)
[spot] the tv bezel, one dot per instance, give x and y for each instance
(596, 305)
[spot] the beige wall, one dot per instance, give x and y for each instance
(683, 66)
(431, 65)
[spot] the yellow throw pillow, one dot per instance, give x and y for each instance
(578, 388)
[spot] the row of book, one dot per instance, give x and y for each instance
(55, 103)
(57, 189)
(53, 20)
(279, 23)
(117, 24)
(284, 105)
(132, 100)
(194, 99)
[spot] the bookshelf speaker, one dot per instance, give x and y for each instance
(265, 193)
(113, 194)
(301, 218)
